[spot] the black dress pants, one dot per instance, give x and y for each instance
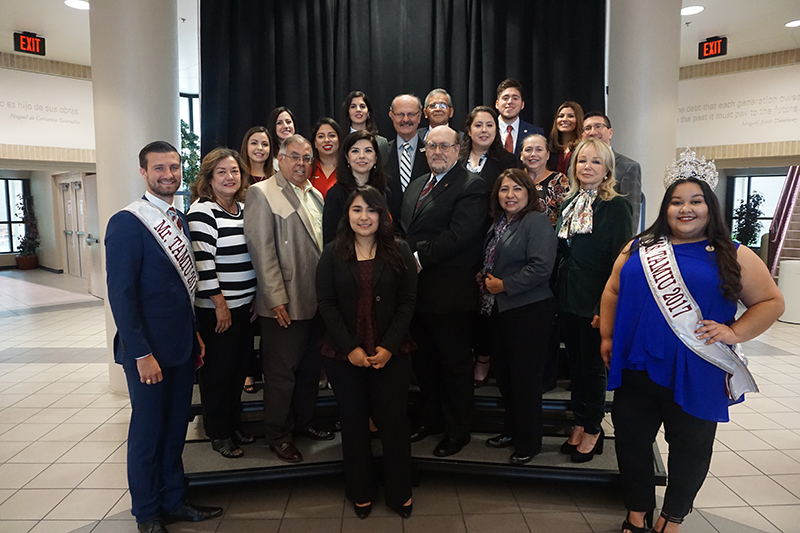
(587, 371)
(520, 347)
(382, 394)
(292, 363)
(640, 407)
(223, 372)
(443, 366)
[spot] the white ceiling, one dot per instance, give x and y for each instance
(752, 27)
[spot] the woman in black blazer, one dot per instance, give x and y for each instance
(366, 287)
(519, 254)
(481, 150)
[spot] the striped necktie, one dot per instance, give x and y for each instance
(405, 167)
(173, 214)
(426, 191)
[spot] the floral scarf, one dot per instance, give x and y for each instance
(489, 257)
(577, 217)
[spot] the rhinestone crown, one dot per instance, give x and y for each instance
(688, 166)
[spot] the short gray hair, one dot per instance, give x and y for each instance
(439, 91)
(294, 138)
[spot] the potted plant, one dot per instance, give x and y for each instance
(26, 251)
(748, 227)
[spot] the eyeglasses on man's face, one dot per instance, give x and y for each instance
(440, 146)
(589, 127)
(306, 159)
(402, 116)
(438, 105)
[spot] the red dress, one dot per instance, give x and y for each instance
(321, 182)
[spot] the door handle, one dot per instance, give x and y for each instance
(91, 240)
(67, 232)
(80, 233)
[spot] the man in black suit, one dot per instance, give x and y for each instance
(510, 102)
(151, 284)
(627, 172)
(443, 217)
(406, 157)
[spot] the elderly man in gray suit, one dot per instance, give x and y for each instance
(283, 230)
(627, 172)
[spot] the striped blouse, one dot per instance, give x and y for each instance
(220, 252)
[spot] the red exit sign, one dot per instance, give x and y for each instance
(29, 43)
(712, 47)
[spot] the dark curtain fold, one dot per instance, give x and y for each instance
(308, 54)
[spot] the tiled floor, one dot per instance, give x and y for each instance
(62, 449)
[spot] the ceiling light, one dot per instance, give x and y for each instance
(793, 23)
(692, 10)
(77, 4)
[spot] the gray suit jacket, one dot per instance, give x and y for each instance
(628, 174)
(280, 239)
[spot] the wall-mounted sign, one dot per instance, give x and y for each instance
(712, 47)
(29, 43)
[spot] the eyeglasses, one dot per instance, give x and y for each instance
(438, 105)
(306, 159)
(402, 116)
(441, 146)
(589, 127)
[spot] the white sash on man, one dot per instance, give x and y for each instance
(171, 238)
(683, 315)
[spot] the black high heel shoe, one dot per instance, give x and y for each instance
(362, 511)
(404, 510)
(567, 448)
(648, 523)
(667, 519)
(580, 457)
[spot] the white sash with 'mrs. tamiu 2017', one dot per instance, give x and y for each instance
(683, 315)
(171, 238)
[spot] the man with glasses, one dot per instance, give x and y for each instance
(438, 110)
(406, 159)
(627, 172)
(443, 219)
(283, 230)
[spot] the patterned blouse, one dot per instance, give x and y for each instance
(552, 190)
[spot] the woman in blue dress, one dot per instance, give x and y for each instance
(656, 377)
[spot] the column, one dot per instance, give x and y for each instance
(643, 69)
(136, 98)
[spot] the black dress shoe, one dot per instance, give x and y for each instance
(192, 513)
(568, 448)
(516, 459)
(424, 432)
(240, 437)
(404, 510)
(450, 446)
(500, 441)
(156, 525)
(580, 457)
(315, 434)
(287, 452)
(362, 511)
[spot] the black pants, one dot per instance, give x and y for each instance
(587, 371)
(520, 346)
(382, 394)
(222, 375)
(443, 366)
(292, 363)
(640, 407)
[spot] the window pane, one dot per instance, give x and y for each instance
(770, 187)
(18, 231)
(15, 195)
(196, 111)
(3, 202)
(739, 190)
(5, 243)
(185, 110)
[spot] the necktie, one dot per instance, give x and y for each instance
(509, 144)
(428, 188)
(405, 167)
(173, 214)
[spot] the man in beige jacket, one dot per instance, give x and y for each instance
(283, 229)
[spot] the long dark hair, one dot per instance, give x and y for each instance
(387, 247)
(496, 149)
(555, 144)
(370, 124)
(322, 122)
(269, 169)
(274, 141)
(344, 175)
(717, 233)
(520, 177)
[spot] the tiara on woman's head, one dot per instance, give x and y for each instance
(688, 166)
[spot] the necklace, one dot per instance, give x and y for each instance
(364, 254)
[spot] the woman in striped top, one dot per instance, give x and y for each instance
(225, 292)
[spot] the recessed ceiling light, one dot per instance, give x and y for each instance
(692, 10)
(793, 23)
(77, 4)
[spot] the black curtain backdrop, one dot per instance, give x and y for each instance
(308, 54)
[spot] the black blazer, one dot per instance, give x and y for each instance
(446, 232)
(525, 129)
(494, 167)
(393, 170)
(394, 296)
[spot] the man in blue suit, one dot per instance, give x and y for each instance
(513, 130)
(151, 280)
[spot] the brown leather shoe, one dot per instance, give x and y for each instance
(287, 452)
